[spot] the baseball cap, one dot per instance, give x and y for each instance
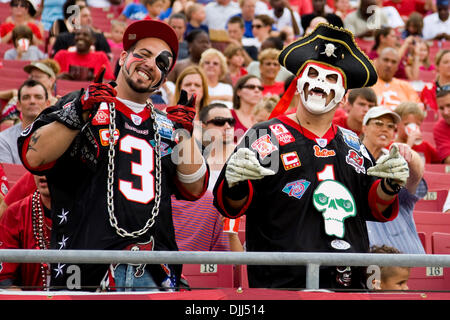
(442, 3)
(151, 29)
(376, 112)
(40, 66)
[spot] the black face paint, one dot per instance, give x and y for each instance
(163, 61)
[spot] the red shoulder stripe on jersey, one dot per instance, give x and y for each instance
(187, 194)
(329, 135)
(374, 199)
(25, 162)
(244, 208)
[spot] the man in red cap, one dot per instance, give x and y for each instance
(305, 184)
(106, 153)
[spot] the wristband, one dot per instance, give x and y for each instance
(395, 187)
(237, 192)
(191, 178)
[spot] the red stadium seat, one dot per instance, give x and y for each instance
(433, 278)
(437, 167)
(365, 45)
(434, 201)
(63, 87)
(441, 243)
(427, 126)
(13, 172)
(423, 240)
(435, 181)
(15, 64)
(428, 222)
(428, 137)
(429, 279)
(427, 76)
(209, 275)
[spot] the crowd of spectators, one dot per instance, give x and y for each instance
(228, 58)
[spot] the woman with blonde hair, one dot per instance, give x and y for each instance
(214, 64)
(193, 81)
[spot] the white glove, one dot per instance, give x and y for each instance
(243, 166)
(392, 166)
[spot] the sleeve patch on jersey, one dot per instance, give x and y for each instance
(104, 136)
(282, 134)
(336, 203)
(264, 146)
(356, 161)
(165, 126)
(290, 160)
(350, 138)
(297, 188)
(164, 149)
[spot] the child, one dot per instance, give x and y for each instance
(237, 59)
(419, 60)
(22, 37)
(195, 15)
(264, 108)
(134, 11)
(391, 278)
(408, 131)
(154, 9)
(116, 35)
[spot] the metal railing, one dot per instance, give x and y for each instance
(312, 260)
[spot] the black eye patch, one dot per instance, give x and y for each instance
(163, 61)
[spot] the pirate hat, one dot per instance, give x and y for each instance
(331, 46)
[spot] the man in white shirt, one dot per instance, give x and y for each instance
(32, 99)
(218, 13)
(284, 16)
(436, 26)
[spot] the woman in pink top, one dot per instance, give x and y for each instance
(247, 93)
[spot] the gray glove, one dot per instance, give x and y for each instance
(392, 166)
(243, 165)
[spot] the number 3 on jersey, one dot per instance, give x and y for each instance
(142, 169)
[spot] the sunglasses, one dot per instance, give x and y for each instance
(22, 4)
(253, 87)
(220, 121)
(442, 88)
(380, 124)
(257, 26)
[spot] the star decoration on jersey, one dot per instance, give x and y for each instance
(62, 243)
(59, 270)
(63, 216)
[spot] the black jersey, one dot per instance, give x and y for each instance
(78, 186)
(317, 201)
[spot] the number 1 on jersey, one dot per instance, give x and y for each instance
(327, 173)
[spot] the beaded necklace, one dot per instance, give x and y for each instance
(40, 232)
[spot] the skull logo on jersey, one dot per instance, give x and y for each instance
(315, 86)
(336, 203)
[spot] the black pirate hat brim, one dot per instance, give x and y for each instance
(343, 54)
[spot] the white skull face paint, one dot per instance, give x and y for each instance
(316, 85)
(336, 203)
